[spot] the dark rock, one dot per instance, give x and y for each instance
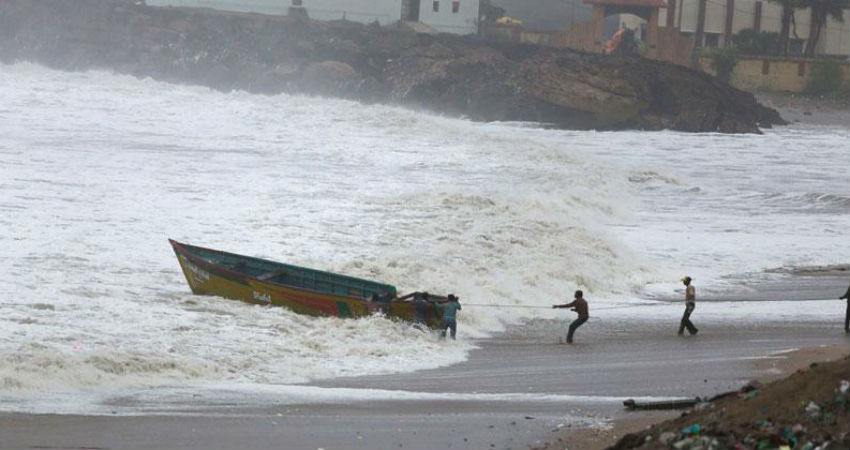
(449, 74)
(332, 78)
(628, 441)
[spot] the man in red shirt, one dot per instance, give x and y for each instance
(579, 305)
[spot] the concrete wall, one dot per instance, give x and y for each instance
(256, 6)
(772, 74)
(363, 11)
(384, 12)
(446, 20)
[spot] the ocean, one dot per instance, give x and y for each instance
(98, 170)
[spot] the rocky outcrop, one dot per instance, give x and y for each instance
(449, 74)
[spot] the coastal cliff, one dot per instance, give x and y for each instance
(454, 75)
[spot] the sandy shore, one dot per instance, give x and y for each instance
(796, 108)
(598, 373)
(517, 391)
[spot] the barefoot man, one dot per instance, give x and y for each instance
(578, 305)
(690, 304)
(846, 296)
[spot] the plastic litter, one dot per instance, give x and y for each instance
(751, 394)
(812, 409)
(667, 437)
(693, 429)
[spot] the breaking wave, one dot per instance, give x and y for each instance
(496, 213)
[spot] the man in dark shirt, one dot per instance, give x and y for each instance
(579, 305)
(846, 296)
(423, 305)
(450, 308)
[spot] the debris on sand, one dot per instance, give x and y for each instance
(809, 410)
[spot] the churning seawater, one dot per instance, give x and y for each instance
(98, 170)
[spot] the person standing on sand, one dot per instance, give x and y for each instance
(578, 305)
(450, 308)
(846, 296)
(690, 304)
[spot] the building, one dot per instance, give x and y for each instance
(572, 23)
(725, 18)
(447, 16)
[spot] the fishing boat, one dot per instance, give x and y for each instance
(304, 291)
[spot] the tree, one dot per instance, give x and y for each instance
(788, 7)
(821, 10)
(723, 61)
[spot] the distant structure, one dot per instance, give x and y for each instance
(648, 10)
(713, 23)
(546, 15)
(443, 16)
(671, 32)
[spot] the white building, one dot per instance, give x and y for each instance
(448, 16)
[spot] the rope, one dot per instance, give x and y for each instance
(495, 305)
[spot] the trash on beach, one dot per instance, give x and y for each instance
(812, 409)
(693, 429)
(792, 414)
(666, 437)
(751, 395)
(763, 424)
(684, 443)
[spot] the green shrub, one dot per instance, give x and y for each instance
(723, 61)
(827, 78)
(752, 42)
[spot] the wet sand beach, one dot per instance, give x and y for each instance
(519, 390)
(600, 373)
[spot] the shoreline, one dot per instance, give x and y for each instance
(797, 108)
(517, 390)
(497, 399)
